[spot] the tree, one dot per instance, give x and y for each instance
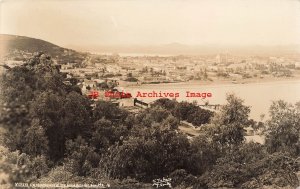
(156, 114)
(153, 154)
(227, 126)
(22, 87)
(203, 155)
(80, 157)
(237, 166)
(250, 166)
(36, 140)
(76, 116)
(283, 132)
(185, 111)
(105, 134)
(16, 94)
(48, 108)
(234, 112)
(108, 111)
(166, 103)
(199, 116)
(20, 167)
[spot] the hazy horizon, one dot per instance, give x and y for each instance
(176, 49)
(121, 23)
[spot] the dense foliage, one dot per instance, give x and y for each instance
(52, 133)
(186, 111)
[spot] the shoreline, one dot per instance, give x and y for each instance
(221, 82)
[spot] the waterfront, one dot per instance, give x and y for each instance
(257, 95)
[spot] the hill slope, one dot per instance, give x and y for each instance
(16, 46)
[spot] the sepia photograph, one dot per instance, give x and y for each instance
(146, 94)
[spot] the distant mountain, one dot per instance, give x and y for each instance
(12, 45)
(183, 49)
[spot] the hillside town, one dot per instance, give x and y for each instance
(107, 76)
(114, 70)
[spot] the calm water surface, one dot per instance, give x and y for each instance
(257, 95)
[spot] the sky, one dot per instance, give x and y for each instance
(154, 22)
